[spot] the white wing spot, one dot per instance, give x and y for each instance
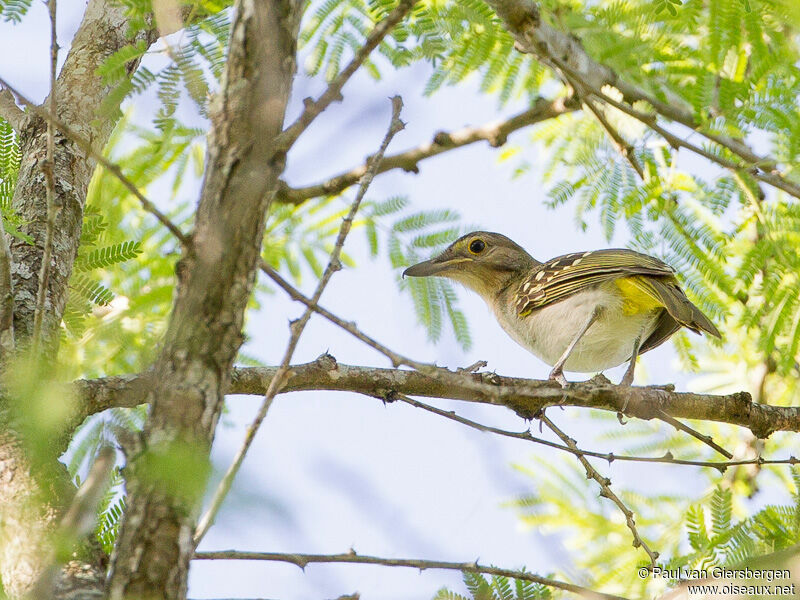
(578, 260)
(526, 287)
(539, 275)
(585, 254)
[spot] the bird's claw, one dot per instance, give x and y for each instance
(558, 375)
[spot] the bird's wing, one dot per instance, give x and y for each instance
(565, 275)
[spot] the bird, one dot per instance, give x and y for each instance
(581, 312)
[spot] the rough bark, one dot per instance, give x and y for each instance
(524, 396)
(216, 276)
(79, 92)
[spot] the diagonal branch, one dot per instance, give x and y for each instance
(78, 521)
(495, 133)
(564, 52)
(605, 487)
(526, 435)
(7, 342)
(772, 177)
(50, 185)
(98, 156)
(297, 327)
(303, 560)
(313, 108)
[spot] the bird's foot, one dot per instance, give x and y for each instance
(558, 375)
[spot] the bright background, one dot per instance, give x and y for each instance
(334, 471)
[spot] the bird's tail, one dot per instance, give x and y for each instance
(677, 304)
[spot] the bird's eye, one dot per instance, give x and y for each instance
(477, 246)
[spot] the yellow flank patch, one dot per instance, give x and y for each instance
(638, 296)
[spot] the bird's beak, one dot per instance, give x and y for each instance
(434, 266)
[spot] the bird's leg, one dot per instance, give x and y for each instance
(627, 379)
(557, 374)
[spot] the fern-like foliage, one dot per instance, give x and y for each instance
(195, 64)
(107, 256)
(415, 237)
(303, 236)
(716, 539)
(14, 10)
(121, 288)
(456, 38)
(9, 168)
(497, 587)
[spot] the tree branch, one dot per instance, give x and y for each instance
(31, 502)
(564, 52)
(303, 560)
(605, 487)
(495, 133)
(772, 177)
(524, 396)
(78, 521)
(312, 108)
(10, 111)
(610, 457)
(297, 327)
(48, 168)
(7, 343)
(112, 167)
(216, 274)
(80, 91)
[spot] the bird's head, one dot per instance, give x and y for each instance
(483, 261)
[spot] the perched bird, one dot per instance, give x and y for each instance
(585, 311)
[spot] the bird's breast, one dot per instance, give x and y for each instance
(548, 331)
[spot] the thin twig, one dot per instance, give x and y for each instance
(50, 185)
(111, 167)
(772, 177)
(620, 143)
(706, 439)
(7, 343)
(10, 111)
(297, 327)
(495, 133)
(608, 456)
(303, 560)
(605, 488)
(312, 108)
(78, 520)
(349, 326)
(564, 52)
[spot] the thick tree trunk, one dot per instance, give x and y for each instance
(216, 277)
(79, 92)
(26, 519)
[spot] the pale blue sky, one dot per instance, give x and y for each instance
(331, 471)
